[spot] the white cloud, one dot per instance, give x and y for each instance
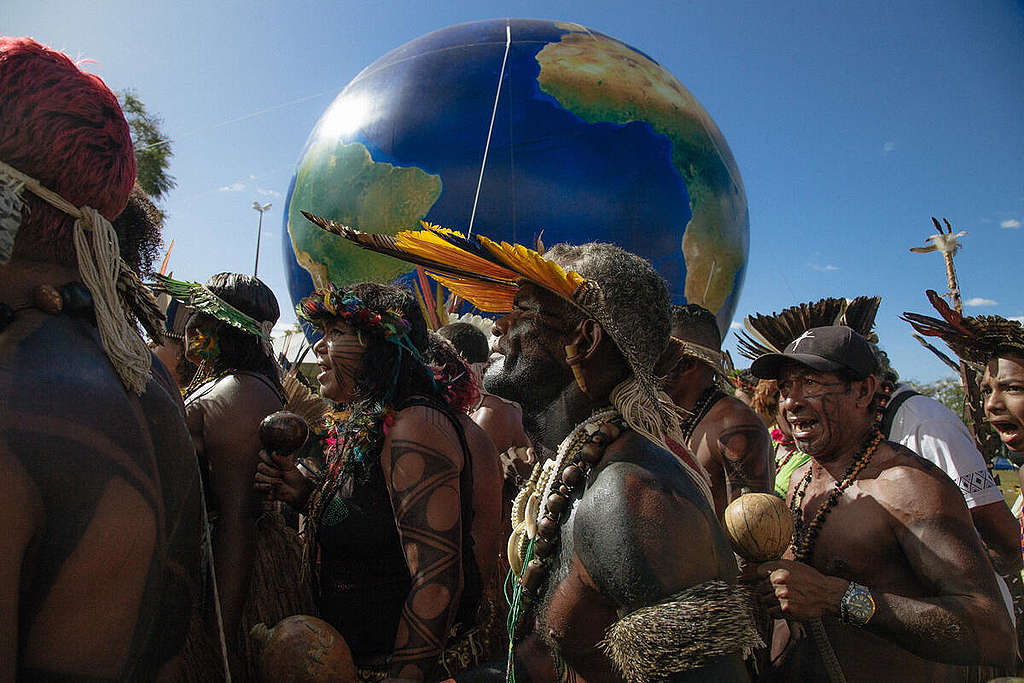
(888, 147)
(1011, 223)
(735, 325)
(979, 301)
(1018, 318)
(825, 268)
(233, 187)
(268, 193)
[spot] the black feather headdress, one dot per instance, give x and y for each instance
(975, 339)
(773, 333)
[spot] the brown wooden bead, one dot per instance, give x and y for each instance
(610, 430)
(557, 503)
(47, 299)
(591, 453)
(542, 548)
(572, 476)
(564, 490)
(599, 437)
(533, 576)
(547, 528)
(76, 297)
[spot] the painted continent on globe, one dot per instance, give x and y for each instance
(592, 141)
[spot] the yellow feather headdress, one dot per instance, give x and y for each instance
(481, 271)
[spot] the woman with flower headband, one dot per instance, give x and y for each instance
(236, 386)
(392, 530)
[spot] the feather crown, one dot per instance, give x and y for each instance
(201, 299)
(975, 339)
(328, 304)
(773, 333)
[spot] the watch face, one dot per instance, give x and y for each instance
(860, 606)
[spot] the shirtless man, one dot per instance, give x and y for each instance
(101, 539)
(728, 438)
(891, 563)
(642, 530)
(501, 419)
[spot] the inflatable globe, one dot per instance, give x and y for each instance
(589, 140)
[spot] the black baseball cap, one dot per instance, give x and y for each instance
(826, 349)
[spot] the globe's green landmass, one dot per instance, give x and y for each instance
(377, 197)
(596, 142)
(602, 80)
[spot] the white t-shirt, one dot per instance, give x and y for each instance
(931, 430)
(934, 432)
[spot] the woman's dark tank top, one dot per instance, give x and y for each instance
(364, 579)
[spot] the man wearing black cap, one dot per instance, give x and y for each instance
(884, 551)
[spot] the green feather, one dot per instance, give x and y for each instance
(202, 300)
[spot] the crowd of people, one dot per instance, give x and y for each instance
(541, 500)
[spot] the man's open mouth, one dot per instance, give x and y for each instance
(801, 426)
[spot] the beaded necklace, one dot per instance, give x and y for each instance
(805, 535)
(707, 399)
(536, 526)
(352, 444)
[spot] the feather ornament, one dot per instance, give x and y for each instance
(773, 333)
(535, 268)
(860, 316)
(975, 339)
(431, 252)
(489, 297)
(202, 300)
(303, 402)
(482, 271)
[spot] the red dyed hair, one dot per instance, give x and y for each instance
(65, 128)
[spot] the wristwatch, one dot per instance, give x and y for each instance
(857, 606)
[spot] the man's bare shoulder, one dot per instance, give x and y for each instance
(53, 368)
(642, 528)
(907, 484)
(632, 463)
(730, 412)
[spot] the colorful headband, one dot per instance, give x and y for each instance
(117, 293)
(329, 304)
(201, 299)
(975, 339)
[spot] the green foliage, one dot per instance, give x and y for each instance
(152, 148)
(949, 392)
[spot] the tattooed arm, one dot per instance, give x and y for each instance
(744, 448)
(422, 459)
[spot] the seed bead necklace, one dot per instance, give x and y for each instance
(805, 535)
(700, 410)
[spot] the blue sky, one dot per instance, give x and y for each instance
(852, 123)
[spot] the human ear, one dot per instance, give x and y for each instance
(866, 389)
(587, 338)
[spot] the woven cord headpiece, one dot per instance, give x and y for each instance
(111, 281)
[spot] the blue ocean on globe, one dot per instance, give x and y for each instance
(591, 140)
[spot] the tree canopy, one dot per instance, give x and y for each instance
(152, 148)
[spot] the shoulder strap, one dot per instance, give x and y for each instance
(889, 416)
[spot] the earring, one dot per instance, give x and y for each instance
(572, 357)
